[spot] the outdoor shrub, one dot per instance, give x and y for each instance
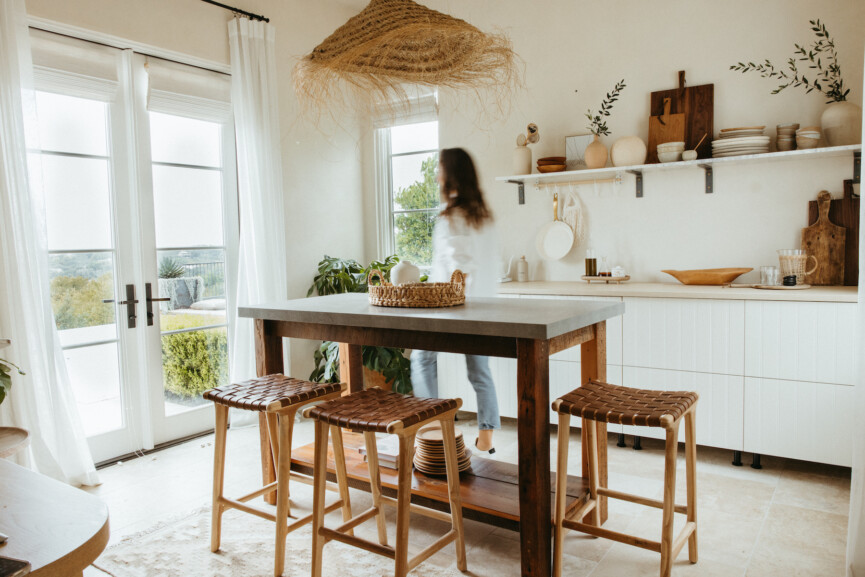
(195, 361)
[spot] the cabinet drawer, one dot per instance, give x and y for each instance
(698, 335)
(719, 411)
(799, 420)
(614, 331)
(811, 342)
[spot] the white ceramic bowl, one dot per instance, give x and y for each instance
(667, 146)
(806, 142)
(689, 155)
(669, 156)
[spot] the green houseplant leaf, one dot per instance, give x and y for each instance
(6, 369)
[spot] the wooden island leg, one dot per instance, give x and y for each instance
(593, 360)
(268, 361)
(351, 367)
(533, 440)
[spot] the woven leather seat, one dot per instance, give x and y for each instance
(376, 409)
(269, 393)
(613, 404)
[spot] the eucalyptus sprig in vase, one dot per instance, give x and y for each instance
(596, 153)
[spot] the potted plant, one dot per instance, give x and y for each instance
(386, 367)
(842, 120)
(596, 152)
(6, 370)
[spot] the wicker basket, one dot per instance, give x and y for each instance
(418, 295)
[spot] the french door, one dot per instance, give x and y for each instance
(138, 174)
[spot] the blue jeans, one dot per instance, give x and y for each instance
(424, 379)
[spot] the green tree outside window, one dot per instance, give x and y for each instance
(414, 229)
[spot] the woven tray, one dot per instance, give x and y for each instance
(418, 295)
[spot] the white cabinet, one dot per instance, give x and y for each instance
(698, 335)
(799, 341)
(719, 410)
(799, 420)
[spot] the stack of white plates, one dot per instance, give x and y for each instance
(740, 141)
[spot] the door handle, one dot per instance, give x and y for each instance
(148, 297)
(130, 303)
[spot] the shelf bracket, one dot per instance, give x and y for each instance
(521, 190)
(710, 179)
(639, 182)
(857, 166)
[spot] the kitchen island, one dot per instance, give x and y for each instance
(528, 331)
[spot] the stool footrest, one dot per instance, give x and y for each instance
(263, 491)
(233, 504)
(603, 491)
(582, 510)
(333, 535)
(419, 509)
(613, 535)
(680, 541)
(432, 549)
(357, 520)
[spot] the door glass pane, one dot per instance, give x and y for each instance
(181, 140)
(414, 181)
(79, 283)
(78, 202)
(188, 205)
(95, 375)
(194, 281)
(192, 362)
(69, 124)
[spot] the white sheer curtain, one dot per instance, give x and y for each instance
(856, 527)
(41, 402)
(262, 257)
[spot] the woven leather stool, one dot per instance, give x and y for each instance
(279, 397)
(597, 401)
(377, 411)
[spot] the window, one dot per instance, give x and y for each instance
(407, 159)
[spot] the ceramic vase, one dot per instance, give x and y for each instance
(842, 123)
(404, 272)
(596, 154)
(629, 151)
(522, 160)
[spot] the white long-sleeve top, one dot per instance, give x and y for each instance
(474, 251)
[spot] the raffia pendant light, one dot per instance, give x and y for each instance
(391, 44)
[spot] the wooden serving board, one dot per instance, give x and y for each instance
(826, 242)
(697, 103)
(666, 127)
(844, 212)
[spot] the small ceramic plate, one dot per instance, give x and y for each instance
(725, 130)
(741, 140)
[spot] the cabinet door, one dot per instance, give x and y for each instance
(798, 420)
(812, 342)
(614, 331)
(719, 410)
(698, 335)
(454, 382)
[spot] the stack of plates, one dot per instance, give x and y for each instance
(740, 141)
(429, 456)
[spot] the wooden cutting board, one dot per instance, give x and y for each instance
(826, 242)
(844, 212)
(697, 103)
(666, 127)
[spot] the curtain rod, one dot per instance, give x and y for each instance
(238, 11)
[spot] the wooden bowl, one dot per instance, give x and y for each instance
(551, 168)
(707, 276)
(552, 160)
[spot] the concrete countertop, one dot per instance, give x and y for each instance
(835, 294)
(532, 319)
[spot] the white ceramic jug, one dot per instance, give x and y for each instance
(404, 272)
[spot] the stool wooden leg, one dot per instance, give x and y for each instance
(319, 469)
(691, 477)
(452, 467)
(283, 475)
(561, 490)
(672, 447)
(375, 484)
(594, 477)
(341, 476)
(218, 475)
(406, 448)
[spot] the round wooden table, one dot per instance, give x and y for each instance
(12, 440)
(59, 529)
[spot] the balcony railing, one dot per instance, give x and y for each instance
(213, 274)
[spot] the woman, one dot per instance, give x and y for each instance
(463, 238)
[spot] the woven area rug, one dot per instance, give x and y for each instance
(182, 549)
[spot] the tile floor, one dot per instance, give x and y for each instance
(788, 519)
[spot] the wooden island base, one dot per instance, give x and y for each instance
(489, 489)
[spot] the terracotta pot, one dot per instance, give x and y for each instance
(842, 123)
(628, 151)
(596, 154)
(373, 378)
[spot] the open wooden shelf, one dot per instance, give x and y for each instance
(706, 164)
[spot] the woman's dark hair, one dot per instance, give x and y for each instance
(461, 188)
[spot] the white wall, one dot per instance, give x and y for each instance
(589, 46)
(321, 165)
